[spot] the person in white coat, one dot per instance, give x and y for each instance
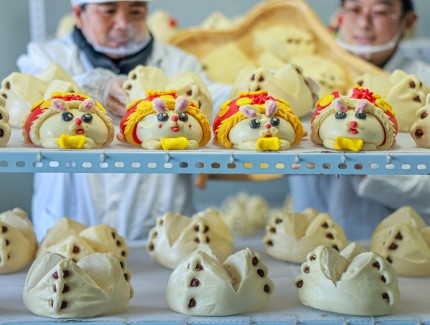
(371, 29)
(109, 40)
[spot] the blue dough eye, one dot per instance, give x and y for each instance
(255, 124)
(162, 117)
(274, 121)
(340, 115)
(87, 118)
(67, 116)
(360, 115)
(183, 117)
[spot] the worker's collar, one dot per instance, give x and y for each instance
(119, 66)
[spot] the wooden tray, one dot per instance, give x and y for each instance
(297, 13)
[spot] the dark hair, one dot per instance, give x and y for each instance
(84, 6)
(407, 5)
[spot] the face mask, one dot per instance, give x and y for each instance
(367, 50)
(129, 49)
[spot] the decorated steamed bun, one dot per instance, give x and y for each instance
(360, 121)
(58, 287)
(291, 236)
(165, 121)
(68, 121)
(18, 243)
(403, 239)
(257, 121)
(202, 285)
(176, 236)
(353, 282)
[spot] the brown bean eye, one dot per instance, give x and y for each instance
(261, 79)
(419, 133)
(417, 99)
(424, 115)
(412, 84)
(253, 77)
(360, 83)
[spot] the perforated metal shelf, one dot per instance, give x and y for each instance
(306, 158)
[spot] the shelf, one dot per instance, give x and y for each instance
(306, 158)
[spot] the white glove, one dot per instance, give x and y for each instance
(113, 96)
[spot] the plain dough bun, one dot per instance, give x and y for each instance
(18, 243)
(404, 240)
(176, 236)
(301, 233)
(352, 282)
(202, 285)
(75, 240)
(57, 287)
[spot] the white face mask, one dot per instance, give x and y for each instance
(129, 49)
(368, 50)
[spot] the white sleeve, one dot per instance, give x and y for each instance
(398, 191)
(34, 61)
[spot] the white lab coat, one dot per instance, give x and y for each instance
(129, 202)
(359, 203)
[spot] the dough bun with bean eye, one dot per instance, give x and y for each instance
(176, 236)
(353, 282)
(75, 240)
(18, 243)
(5, 130)
(406, 93)
(290, 236)
(420, 129)
(202, 285)
(58, 287)
(403, 238)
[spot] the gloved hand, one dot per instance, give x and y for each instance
(113, 96)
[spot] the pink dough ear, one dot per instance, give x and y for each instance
(59, 105)
(181, 104)
(159, 105)
(271, 108)
(361, 107)
(88, 105)
(248, 111)
(341, 107)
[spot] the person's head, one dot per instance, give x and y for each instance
(373, 28)
(112, 24)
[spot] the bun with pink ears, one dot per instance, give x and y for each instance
(360, 121)
(257, 121)
(165, 121)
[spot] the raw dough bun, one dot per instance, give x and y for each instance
(18, 243)
(175, 236)
(57, 287)
(351, 282)
(301, 233)
(404, 239)
(202, 285)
